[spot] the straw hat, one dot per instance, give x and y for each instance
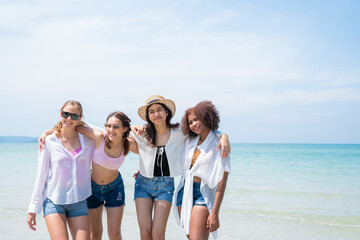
(156, 99)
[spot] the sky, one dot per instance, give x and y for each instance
(277, 71)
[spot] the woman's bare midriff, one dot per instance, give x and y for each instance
(197, 179)
(101, 175)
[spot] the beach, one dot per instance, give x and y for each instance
(275, 191)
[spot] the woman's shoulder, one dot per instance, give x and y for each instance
(178, 133)
(87, 140)
(51, 138)
(138, 138)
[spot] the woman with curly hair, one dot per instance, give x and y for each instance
(201, 188)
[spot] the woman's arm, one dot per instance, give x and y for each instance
(133, 146)
(95, 134)
(41, 139)
(36, 202)
(213, 222)
(224, 143)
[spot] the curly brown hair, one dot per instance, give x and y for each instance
(206, 112)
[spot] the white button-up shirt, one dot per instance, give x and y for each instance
(61, 177)
(173, 149)
(210, 167)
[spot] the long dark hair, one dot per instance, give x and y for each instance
(126, 123)
(150, 131)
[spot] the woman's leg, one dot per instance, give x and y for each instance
(56, 224)
(161, 215)
(114, 218)
(198, 220)
(144, 215)
(79, 227)
(96, 228)
(179, 210)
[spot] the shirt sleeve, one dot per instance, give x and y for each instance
(218, 133)
(140, 140)
(37, 198)
(226, 164)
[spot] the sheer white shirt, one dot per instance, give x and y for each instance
(61, 177)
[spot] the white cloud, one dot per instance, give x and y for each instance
(106, 56)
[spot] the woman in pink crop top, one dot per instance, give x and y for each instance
(111, 147)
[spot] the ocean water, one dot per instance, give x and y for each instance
(275, 191)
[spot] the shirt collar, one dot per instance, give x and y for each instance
(204, 145)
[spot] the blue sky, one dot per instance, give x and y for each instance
(278, 71)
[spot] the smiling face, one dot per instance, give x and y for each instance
(157, 114)
(69, 110)
(196, 125)
(115, 129)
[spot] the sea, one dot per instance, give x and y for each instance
(275, 191)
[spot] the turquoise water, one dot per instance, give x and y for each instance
(275, 191)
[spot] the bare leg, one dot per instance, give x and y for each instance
(179, 208)
(144, 215)
(114, 218)
(79, 227)
(56, 224)
(198, 219)
(161, 215)
(96, 228)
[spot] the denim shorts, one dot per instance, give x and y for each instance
(198, 199)
(156, 188)
(111, 195)
(69, 210)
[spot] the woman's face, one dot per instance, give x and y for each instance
(195, 124)
(115, 129)
(157, 114)
(70, 116)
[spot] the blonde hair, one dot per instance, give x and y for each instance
(59, 124)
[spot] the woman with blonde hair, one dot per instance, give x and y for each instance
(111, 148)
(63, 178)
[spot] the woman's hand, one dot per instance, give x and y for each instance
(213, 222)
(138, 130)
(31, 220)
(136, 175)
(225, 145)
(80, 123)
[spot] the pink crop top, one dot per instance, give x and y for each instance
(100, 158)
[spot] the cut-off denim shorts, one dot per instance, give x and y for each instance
(69, 210)
(156, 188)
(198, 198)
(111, 195)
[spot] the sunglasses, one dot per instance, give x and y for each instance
(116, 127)
(73, 116)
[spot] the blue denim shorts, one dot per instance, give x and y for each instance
(111, 195)
(198, 199)
(69, 210)
(156, 188)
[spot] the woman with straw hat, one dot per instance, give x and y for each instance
(160, 148)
